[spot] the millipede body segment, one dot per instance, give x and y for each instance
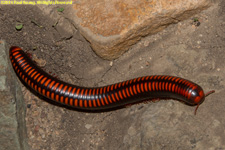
(106, 97)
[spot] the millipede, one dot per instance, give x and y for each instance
(105, 97)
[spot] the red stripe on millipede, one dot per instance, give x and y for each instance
(71, 102)
(66, 100)
(77, 93)
(104, 89)
(68, 92)
(120, 94)
(90, 104)
(117, 96)
(139, 79)
(127, 92)
(150, 86)
(73, 92)
(153, 86)
(48, 94)
(134, 89)
(142, 88)
(173, 88)
(94, 103)
(131, 92)
(163, 86)
(170, 86)
(98, 102)
(39, 78)
(112, 87)
(157, 86)
(106, 101)
(90, 92)
(113, 98)
(119, 85)
(17, 56)
(75, 102)
(43, 80)
(97, 90)
(60, 88)
(21, 63)
(26, 67)
(86, 91)
(15, 53)
(19, 59)
(82, 93)
(124, 93)
(33, 74)
(102, 101)
(61, 99)
(127, 82)
(39, 89)
(85, 103)
(138, 88)
(93, 91)
(108, 88)
(109, 98)
(101, 91)
(30, 72)
(160, 87)
(116, 86)
(146, 86)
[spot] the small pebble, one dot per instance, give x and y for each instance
(199, 42)
(131, 131)
(146, 43)
(111, 63)
(88, 126)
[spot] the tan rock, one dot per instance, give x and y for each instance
(112, 26)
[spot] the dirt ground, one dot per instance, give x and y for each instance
(189, 50)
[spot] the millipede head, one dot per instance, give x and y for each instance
(196, 95)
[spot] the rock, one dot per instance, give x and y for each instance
(61, 25)
(12, 109)
(113, 26)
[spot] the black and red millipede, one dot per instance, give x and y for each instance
(106, 97)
